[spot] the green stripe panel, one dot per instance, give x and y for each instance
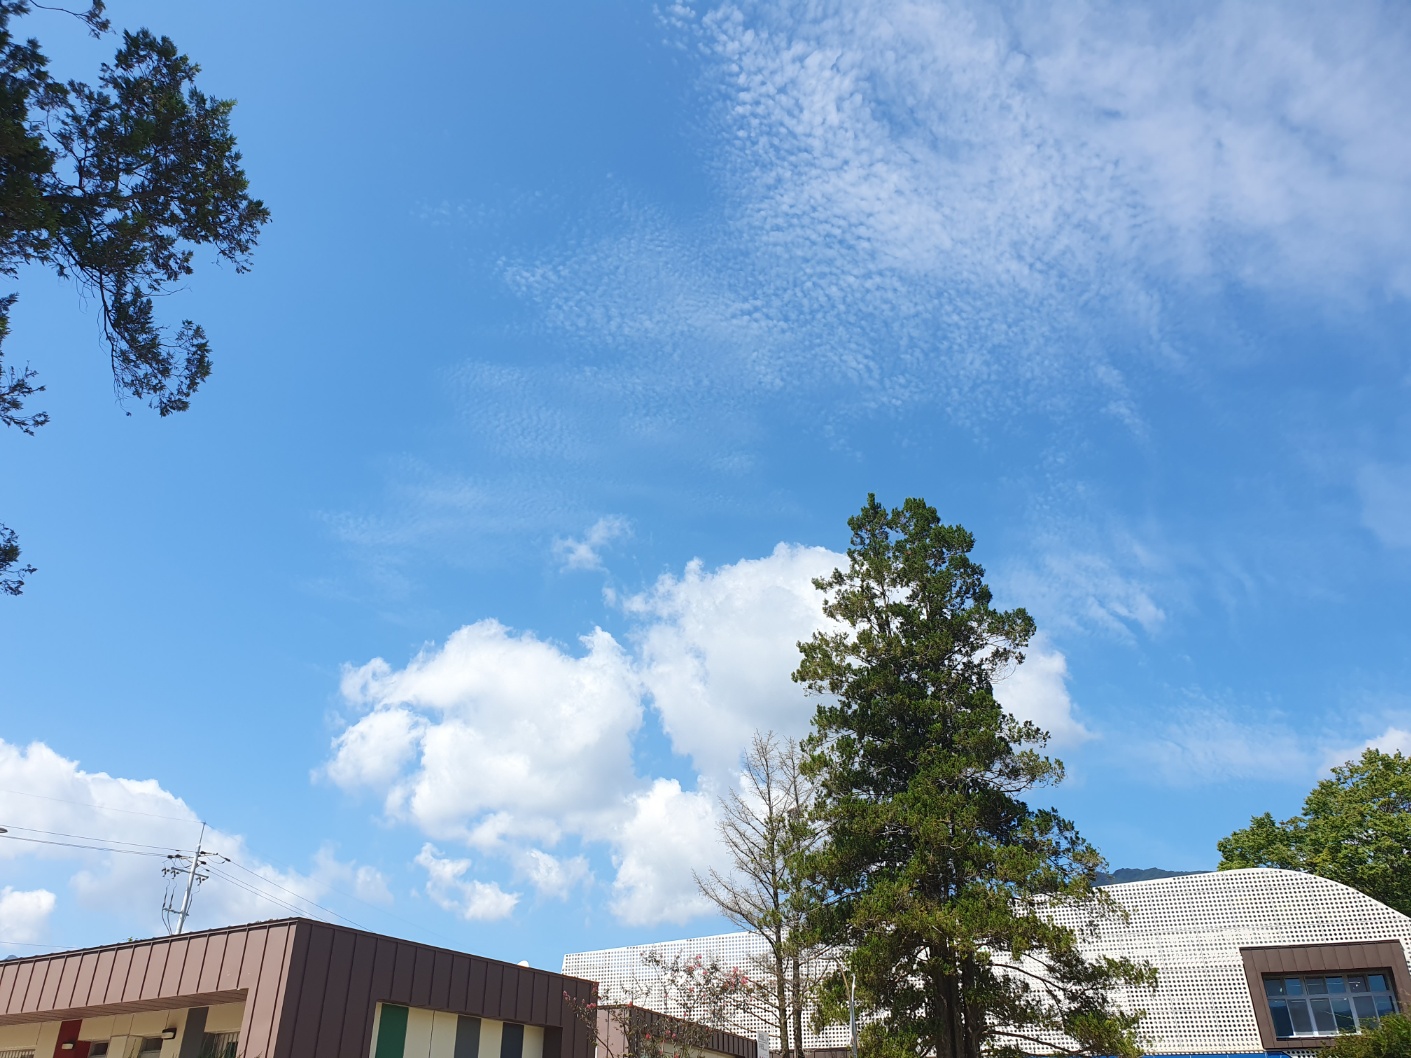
(391, 1032)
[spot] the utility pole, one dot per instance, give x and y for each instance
(197, 862)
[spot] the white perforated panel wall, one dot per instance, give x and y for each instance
(617, 970)
(1190, 928)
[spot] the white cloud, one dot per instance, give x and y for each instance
(1038, 690)
(1198, 746)
(551, 875)
(46, 792)
(514, 746)
(1070, 584)
(24, 915)
(936, 203)
(1386, 502)
(504, 736)
(374, 751)
(586, 554)
(992, 142)
(474, 901)
(717, 649)
(1393, 740)
(669, 833)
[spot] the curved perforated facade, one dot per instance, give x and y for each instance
(1191, 928)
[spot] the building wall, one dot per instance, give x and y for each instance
(243, 963)
(622, 976)
(1192, 928)
(413, 1032)
(306, 989)
(122, 1032)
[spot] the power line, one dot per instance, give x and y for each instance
(74, 845)
(140, 849)
(84, 837)
(291, 892)
(101, 808)
(257, 892)
(31, 944)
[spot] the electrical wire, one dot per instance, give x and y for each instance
(101, 808)
(291, 892)
(164, 852)
(85, 837)
(95, 848)
(215, 872)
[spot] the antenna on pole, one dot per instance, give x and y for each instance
(193, 879)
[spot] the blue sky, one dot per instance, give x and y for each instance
(578, 333)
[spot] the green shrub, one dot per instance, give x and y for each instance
(1390, 1039)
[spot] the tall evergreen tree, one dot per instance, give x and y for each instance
(934, 872)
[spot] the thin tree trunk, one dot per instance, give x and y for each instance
(780, 996)
(798, 1006)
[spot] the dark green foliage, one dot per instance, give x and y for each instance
(1389, 1039)
(12, 574)
(113, 185)
(1355, 828)
(933, 871)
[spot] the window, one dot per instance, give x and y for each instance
(24, 1052)
(1328, 1004)
(98, 1050)
(219, 1045)
(151, 1045)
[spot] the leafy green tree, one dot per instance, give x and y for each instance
(1355, 828)
(113, 185)
(1390, 1038)
(933, 871)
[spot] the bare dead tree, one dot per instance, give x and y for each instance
(766, 828)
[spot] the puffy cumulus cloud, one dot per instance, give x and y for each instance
(374, 751)
(717, 649)
(669, 833)
(1038, 690)
(1393, 740)
(514, 746)
(61, 797)
(24, 915)
(472, 900)
(586, 553)
(496, 736)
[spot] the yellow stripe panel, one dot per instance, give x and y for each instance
(419, 1024)
(490, 1034)
(443, 1035)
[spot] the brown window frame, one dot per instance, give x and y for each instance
(1378, 956)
